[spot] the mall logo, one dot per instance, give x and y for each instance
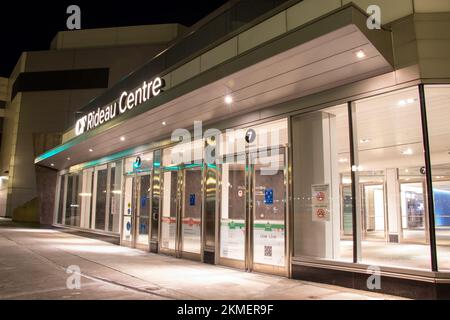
(126, 102)
(214, 147)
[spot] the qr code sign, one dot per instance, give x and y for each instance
(267, 251)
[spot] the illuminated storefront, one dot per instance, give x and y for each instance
(322, 160)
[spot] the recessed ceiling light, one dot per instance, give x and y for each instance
(52, 164)
(91, 150)
(68, 159)
(122, 138)
(406, 102)
(364, 140)
(164, 123)
(228, 99)
(407, 152)
(360, 54)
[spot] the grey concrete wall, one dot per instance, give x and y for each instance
(31, 114)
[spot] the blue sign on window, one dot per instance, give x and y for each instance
(192, 200)
(268, 196)
(143, 201)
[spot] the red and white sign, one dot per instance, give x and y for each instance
(321, 202)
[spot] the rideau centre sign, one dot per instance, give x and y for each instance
(126, 102)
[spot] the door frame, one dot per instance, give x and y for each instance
(136, 184)
(248, 264)
(180, 200)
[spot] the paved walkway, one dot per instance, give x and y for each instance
(33, 264)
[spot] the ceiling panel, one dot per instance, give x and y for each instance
(323, 63)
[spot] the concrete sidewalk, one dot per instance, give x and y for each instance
(33, 264)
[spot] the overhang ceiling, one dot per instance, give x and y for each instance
(322, 63)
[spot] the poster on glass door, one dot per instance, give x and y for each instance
(232, 239)
(269, 243)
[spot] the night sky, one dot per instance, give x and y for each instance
(31, 25)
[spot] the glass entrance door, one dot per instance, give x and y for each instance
(191, 221)
(129, 212)
(136, 216)
(181, 219)
(233, 214)
(269, 215)
(253, 213)
(142, 228)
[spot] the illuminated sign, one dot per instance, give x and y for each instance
(126, 102)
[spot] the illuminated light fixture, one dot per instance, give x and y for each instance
(68, 159)
(52, 164)
(407, 152)
(406, 170)
(164, 123)
(406, 102)
(91, 150)
(357, 168)
(85, 194)
(438, 177)
(364, 141)
(228, 99)
(360, 54)
(117, 192)
(343, 160)
(346, 181)
(122, 138)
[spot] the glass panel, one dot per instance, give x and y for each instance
(70, 195)
(78, 188)
(61, 200)
(438, 114)
(128, 209)
(144, 209)
(389, 150)
(86, 198)
(269, 211)
(100, 199)
(232, 213)
(210, 206)
(169, 210)
(322, 185)
(115, 196)
(191, 224)
(156, 195)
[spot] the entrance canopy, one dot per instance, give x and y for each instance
(331, 51)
